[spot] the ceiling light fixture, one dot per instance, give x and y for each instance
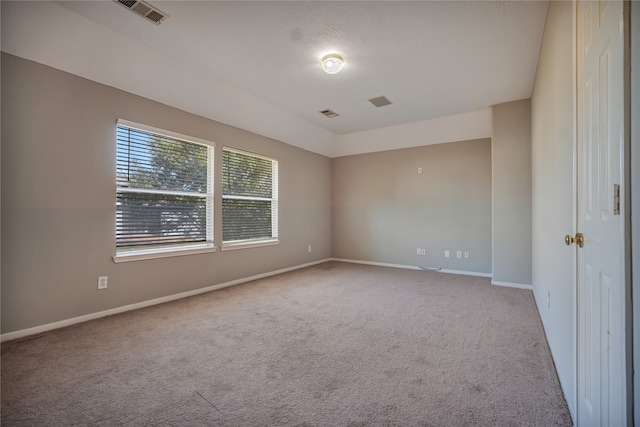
(332, 63)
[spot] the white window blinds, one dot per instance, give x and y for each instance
(164, 191)
(249, 197)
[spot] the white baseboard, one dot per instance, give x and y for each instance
(378, 264)
(85, 318)
(512, 285)
(464, 273)
(412, 267)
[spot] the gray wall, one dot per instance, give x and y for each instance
(553, 142)
(511, 179)
(383, 210)
(58, 200)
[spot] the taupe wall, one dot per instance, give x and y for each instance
(58, 207)
(383, 210)
(58, 200)
(511, 165)
(553, 199)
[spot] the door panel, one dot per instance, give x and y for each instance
(601, 308)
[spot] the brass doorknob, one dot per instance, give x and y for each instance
(579, 240)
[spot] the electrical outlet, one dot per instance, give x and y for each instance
(102, 282)
(424, 252)
(459, 254)
(466, 254)
(309, 248)
(419, 170)
(446, 254)
(419, 251)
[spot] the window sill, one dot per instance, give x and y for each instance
(140, 255)
(248, 244)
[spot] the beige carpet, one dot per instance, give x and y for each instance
(331, 345)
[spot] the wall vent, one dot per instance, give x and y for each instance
(144, 9)
(329, 113)
(380, 101)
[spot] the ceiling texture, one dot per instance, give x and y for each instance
(256, 65)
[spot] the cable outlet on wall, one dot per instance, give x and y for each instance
(424, 251)
(466, 254)
(102, 282)
(419, 251)
(446, 254)
(459, 254)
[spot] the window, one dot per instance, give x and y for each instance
(164, 197)
(249, 198)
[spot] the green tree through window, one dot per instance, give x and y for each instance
(164, 190)
(249, 197)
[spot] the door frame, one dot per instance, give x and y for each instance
(632, 151)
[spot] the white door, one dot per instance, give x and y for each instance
(601, 285)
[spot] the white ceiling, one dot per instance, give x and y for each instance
(256, 65)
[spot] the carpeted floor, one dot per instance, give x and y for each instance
(331, 345)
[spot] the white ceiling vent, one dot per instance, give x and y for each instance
(380, 101)
(329, 113)
(144, 9)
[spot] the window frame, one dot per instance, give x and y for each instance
(136, 253)
(257, 242)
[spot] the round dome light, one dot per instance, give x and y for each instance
(332, 63)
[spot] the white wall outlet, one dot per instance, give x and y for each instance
(419, 170)
(466, 254)
(459, 254)
(102, 282)
(309, 248)
(446, 254)
(418, 251)
(424, 251)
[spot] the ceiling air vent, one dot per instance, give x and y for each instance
(329, 113)
(144, 9)
(380, 101)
